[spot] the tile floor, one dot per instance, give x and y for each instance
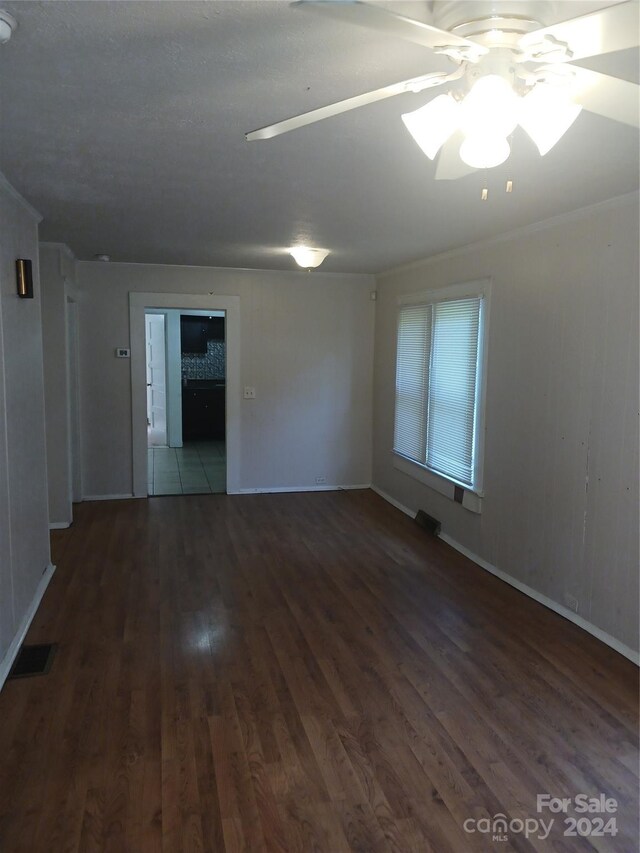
(200, 467)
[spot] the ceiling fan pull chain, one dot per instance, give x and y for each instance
(484, 193)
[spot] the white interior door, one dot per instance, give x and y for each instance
(156, 379)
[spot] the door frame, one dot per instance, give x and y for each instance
(138, 304)
(74, 432)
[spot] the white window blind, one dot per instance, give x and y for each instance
(437, 385)
(412, 380)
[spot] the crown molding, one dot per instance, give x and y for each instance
(533, 228)
(13, 192)
(309, 276)
(61, 247)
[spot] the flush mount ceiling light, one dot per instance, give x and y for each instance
(512, 71)
(7, 25)
(307, 257)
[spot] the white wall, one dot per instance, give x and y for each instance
(24, 533)
(306, 346)
(57, 276)
(560, 512)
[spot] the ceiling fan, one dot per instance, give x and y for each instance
(508, 70)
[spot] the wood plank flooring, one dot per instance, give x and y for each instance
(306, 672)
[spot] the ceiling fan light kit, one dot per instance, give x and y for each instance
(490, 107)
(488, 116)
(434, 123)
(546, 114)
(306, 257)
(517, 72)
(484, 150)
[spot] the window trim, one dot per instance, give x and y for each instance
(436, 480)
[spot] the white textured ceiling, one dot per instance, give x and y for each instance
(123, 123)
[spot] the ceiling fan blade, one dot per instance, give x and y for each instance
(611, 29)
(416, 84)
(376, 18)
(450, 167)
(607, 96)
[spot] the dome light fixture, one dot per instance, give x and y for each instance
(7, 25)
(306, 257)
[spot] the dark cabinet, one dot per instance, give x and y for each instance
(195, 332)
(192, 335)
(203, 414)
(216, 329)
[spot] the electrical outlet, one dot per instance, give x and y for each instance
(249, 392)
(123, 352)
(320, 480)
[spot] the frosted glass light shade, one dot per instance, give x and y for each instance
(546, 114)
(487, 117)
(307, 257)
(491, 103)
(484, 150)
(434, 123)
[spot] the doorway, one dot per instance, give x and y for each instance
(199, 464)
(186, 396)
(139, 303)
(203, 382)
(75, 471)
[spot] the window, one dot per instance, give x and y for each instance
(439, 381)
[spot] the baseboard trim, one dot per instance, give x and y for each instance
(387, 497)
(560, 609)
(108, 497)
(59, 525)
(14, 648)
(275, 490)
(578, 620)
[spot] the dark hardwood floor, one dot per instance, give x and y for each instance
(305, 672)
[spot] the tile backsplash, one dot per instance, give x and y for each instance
(209, 365)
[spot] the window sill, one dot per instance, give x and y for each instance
(470, 500)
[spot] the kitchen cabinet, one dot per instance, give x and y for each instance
(216, 329)
(195, 332)
(203, 411)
